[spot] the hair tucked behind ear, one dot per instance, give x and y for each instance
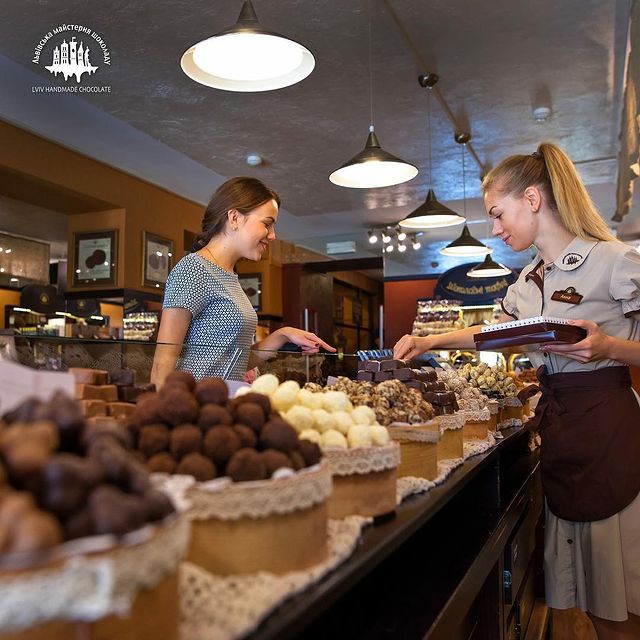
(551, 170)
(242, 194)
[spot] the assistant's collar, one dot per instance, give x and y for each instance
(574, 254)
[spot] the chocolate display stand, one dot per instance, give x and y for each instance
(527, 335)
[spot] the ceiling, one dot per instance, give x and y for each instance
(495, 62)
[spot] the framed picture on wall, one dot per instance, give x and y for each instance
(95, 257)
(251, 284)
(157, 257)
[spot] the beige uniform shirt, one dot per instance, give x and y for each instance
(605, 274)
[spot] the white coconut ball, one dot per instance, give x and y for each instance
(312, 435)
(323, 420)
(301, 418)
(379, 435)
(266, 384)
(363, 415)
(343, 421)
(241, 391)
(336, 401)
(333, 438)
(360, 436)
(309, 399)
(285, 395)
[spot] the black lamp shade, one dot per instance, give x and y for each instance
(431, 214)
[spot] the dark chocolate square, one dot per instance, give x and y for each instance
(382, 376)
(390, 365)
(365, 376)
(372, 365)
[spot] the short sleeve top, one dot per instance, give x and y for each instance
(223, 323)
(605, 274)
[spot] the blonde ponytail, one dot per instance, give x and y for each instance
(551, 169)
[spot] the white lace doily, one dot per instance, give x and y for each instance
(363, 460)
(414, 434)
(90, 587)
(450, 421)
(279, 495)
(512, 402)
(493, 406)
(483, 415)
(510, 422)
(226, 608)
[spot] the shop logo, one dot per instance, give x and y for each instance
(73, 51)
(572, 258)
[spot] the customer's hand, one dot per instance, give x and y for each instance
(411, 346)
(307, 341)
(596, 346)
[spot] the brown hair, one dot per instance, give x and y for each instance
(551, 170)
(242, 194)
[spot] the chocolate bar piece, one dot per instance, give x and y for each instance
(439, 386)
(382, 376)
(122, 377)
(372, 365)
(93, 407)
(130, 394)
(390, 365)
(431, 396)
(106, 392)
(415, 384)
(402, 374)
(365, 376)
(362, 364)
(120, 409)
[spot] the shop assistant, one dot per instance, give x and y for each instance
(205, 308)
(588, 415)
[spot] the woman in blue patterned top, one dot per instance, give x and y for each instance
(204, 305)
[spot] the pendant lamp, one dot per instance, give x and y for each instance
(373, 167)
(489, 269)
(247, 57)
(430, 214)
(465, 244)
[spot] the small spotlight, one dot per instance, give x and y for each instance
(402, 248)
(401, 235)
(386, 238)
(373, 237)
(416, 245)
(7, 250)
(389, 248)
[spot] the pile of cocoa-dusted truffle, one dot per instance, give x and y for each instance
(195, 429)
(64, 477)
(391, 400)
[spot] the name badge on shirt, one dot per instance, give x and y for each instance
(569, 295)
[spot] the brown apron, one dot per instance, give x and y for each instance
(589, 422)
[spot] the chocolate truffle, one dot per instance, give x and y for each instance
(212, 390)
(246, 465)
(298, 460)
(34, 531)
(66, 414)
(251, 414)
(256, 398)
(149, 409)
(180, 378)
(14, 505)
(310, 451)
(198, 466)
(157, 505)
(161, 463)
(185, 439)
(212, 415)
(116, 512)
(178, 405)
(24, 412)
(220, 444)
(275, 460)
(26, 458)
(115, 460)
(68, 479)
(79, 525)
(247, 436)
(153, 439)
(277, 434)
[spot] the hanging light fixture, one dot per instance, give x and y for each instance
(489, 269)
(247, 57)
(373, 236)
(465, 244)
(431, 213)
(386, 238)
(373, 167)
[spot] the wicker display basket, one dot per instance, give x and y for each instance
(95, 588)
(364, 480)
(277, 525)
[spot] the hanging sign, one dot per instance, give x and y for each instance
(455, 284)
